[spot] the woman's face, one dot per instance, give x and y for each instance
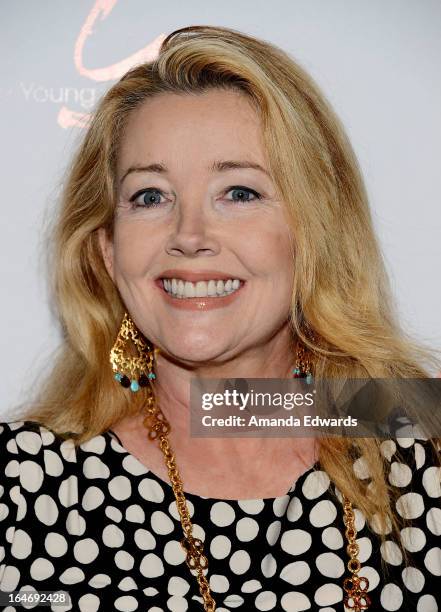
(196, 205)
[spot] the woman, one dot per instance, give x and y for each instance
(214, 224)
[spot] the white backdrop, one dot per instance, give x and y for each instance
(378, 62)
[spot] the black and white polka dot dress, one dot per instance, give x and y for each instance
(96, 523)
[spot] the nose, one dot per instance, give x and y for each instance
(191, 235)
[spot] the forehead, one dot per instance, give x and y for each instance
(169, 125)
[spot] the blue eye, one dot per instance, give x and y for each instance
(243, 194)
(149, 198)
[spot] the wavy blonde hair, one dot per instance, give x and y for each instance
(341, 290)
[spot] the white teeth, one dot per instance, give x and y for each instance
(189, 289)
(212, 288)
(201, 289)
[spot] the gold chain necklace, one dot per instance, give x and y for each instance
(355, 586)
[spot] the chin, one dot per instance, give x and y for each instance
(194, 350)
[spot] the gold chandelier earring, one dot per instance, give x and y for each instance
(132, 357)
(303, 367)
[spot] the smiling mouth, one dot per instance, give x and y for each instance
(178, 288)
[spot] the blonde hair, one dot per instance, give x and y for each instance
(341, 289)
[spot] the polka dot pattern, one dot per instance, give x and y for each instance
(95, 522)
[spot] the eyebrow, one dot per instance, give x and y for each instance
(217, 166)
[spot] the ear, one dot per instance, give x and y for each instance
(106, 247)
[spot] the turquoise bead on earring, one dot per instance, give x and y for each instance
(122, 379)
(297, 373)
(134, 384)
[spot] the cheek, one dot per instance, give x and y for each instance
(277, 265)
(271, 252)
(281, 275)
(133, 249)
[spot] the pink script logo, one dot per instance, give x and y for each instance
(68, 118)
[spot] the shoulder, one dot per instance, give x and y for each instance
(412, 470)
(22, 433)
(407, 461)
(36, 468)
(29, 451)
(413, 459)
(28, 437)
(413, 473)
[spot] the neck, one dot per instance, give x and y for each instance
(275, 359)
